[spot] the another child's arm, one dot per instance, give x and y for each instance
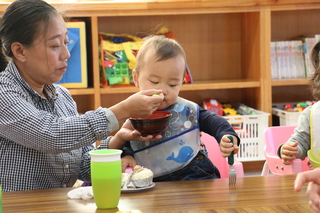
(288, 152)
(313, 191)
(226, 147)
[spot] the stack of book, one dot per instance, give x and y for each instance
(308, 44)
(291, 59)
(287, 59)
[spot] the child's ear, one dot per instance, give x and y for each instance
(135, 76)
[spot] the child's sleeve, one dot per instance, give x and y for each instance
(215, 125)
(302, 134)
(127, 150)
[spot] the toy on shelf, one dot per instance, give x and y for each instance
(288, 107)
(213, 105)
(118, 58)
(245, 110)
(298, 107)
(230, 112)
(226, 109)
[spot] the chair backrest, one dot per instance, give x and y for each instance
(275, 136)
(215, 155)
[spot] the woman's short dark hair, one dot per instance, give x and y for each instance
(21, 23)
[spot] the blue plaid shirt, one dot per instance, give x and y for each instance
(44, 143)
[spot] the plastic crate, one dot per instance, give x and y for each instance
(250, 130)
(286, 118)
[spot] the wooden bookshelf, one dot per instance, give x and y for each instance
(227, 44)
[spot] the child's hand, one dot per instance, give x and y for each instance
(128, 133)
(128, 161)
(226, 147)
(288, 152)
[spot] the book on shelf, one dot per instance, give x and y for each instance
(291, 59)
(287, 60)
(274, 61)
(308, 44)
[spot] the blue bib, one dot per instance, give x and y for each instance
(179, 144)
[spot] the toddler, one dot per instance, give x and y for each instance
(179, 154)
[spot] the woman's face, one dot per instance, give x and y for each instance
(46, 61)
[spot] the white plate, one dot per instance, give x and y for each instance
(131, 189)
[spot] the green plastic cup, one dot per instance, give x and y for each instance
(314, 162)
(106, 174)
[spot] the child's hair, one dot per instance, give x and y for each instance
(315, 79)
(165, 48)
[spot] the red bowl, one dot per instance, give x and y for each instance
(152, 125)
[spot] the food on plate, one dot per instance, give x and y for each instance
(141, 176)
(124, 179)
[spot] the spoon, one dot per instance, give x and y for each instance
(125, 186)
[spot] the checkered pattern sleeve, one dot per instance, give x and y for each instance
(43, 141)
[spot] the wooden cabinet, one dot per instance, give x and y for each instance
(287, 24)
(227, 45)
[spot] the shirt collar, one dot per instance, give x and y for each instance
(49, 88)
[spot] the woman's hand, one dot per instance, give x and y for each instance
(141, 104)
(128, 133)
(144, 103)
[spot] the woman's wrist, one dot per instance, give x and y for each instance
(120, 111)
(116, 142)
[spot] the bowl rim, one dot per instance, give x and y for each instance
(167, 114)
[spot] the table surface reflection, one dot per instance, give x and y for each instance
(251, 194)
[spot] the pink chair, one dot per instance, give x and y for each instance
(218, 160)
(274, 137)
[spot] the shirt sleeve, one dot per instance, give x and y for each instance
(127, 150)
(215, 125)
(85, 173)
(51, 126)
(301, 134)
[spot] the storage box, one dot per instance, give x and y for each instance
(286, 118)
(250, 129)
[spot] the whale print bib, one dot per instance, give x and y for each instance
(179, 144)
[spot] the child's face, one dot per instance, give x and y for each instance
(164, 75)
